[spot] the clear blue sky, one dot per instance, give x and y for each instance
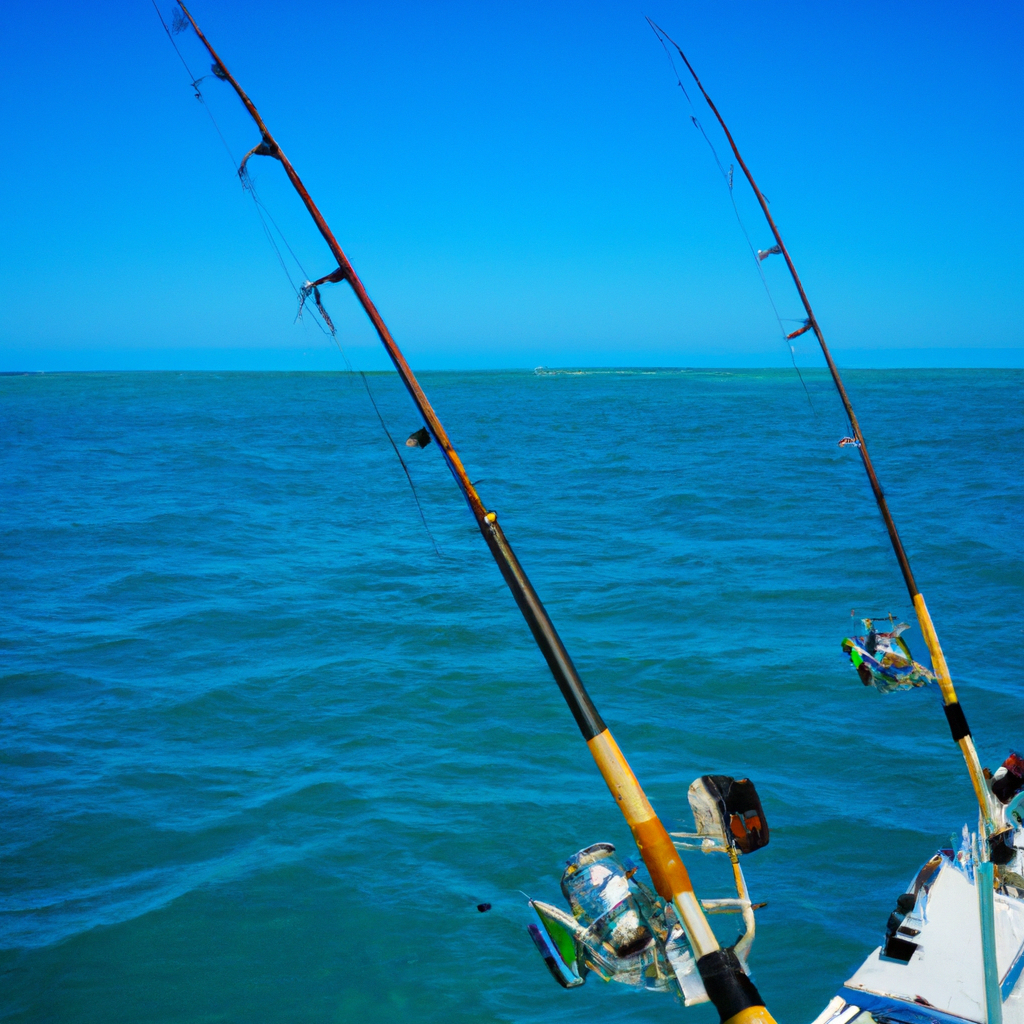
(516, 183)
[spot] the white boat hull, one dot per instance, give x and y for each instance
(943, 979)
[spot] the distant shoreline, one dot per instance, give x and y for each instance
(15, 362)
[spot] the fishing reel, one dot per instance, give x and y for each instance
(884, 661)
(621, 930)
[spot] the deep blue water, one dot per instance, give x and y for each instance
(264, 751)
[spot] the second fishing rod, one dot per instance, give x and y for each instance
(955, 716)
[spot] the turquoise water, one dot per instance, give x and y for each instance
(264, 751)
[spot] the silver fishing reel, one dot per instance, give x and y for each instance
(621, 930)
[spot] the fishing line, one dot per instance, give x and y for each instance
(277, 251)
(247, 182)
(248, 185)
(728, 178)
(405, 468)
(195, 85)
(261, 208)
(328, 329)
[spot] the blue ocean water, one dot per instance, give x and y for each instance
(264, 751)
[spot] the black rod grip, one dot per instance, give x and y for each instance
(957, 721)
(727, 986)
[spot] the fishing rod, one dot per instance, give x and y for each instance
(958, 726)
(726, 983)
